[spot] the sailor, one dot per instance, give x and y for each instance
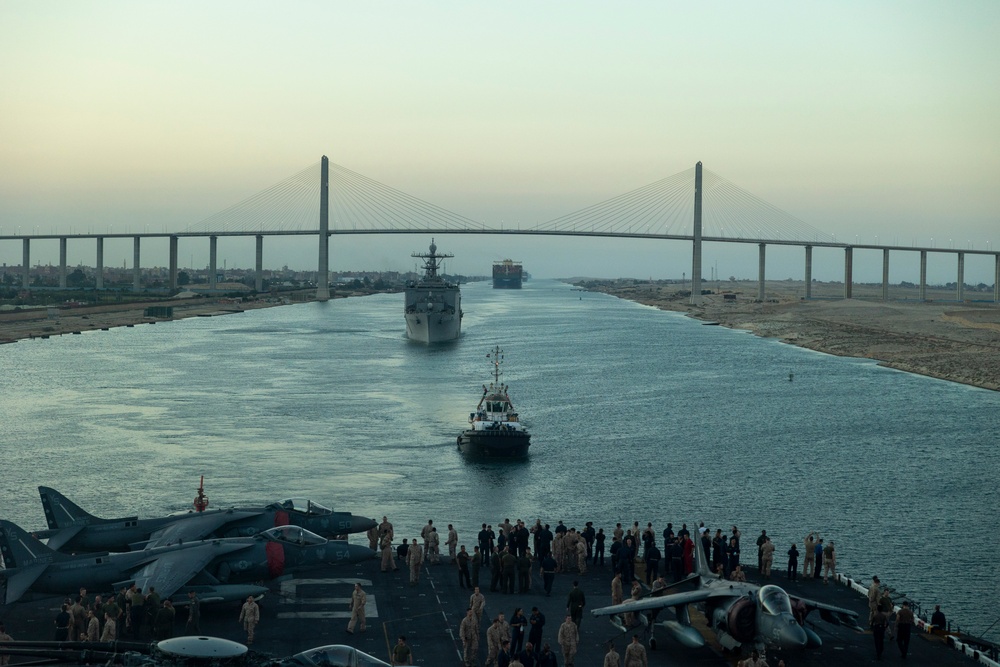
(761, 539)
(476, 562)
(484, 544)
(163, 625)
(401, 653)
(425, 535)
(193, 625)
(874, 593)
(793, 563)
(388, 562)
(599, 547)
(568, 638)
(766, 557)
(879, 621)
(477, 602)
(904, 625)
(617, 595)
(385, 528)
(635, 654)
(373, 538)
(818, 550)
(548, 566)
(581, 556)
(612, 658)
(575, 603)
(509, 564)
(494, 637)
(524, 572)
(433, 551)
(537, 622)
(496, 571)
(110, 633)
(809, 565)
(93, 627)
(357, 607)
(468, 631)
(938, 619)
(414, 558)
(452, 542)
(249, 617)
(829, 562)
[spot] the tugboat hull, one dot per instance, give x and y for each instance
(494, 445)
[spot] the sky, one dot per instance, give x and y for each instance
(868, 120)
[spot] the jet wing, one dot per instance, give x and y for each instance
(829, 613)
(59, 538)
(169, 571)
(17, 581)
(195, 526)
(673, 600)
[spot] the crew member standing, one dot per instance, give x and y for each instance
(635, 654)
(568, 638)
(452, 542)
(904, 625)
(250, 617)
(357, 606)
(414, 558)
(468, 631)
(575, 603)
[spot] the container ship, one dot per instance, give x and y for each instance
(507, 274)
(433, 306)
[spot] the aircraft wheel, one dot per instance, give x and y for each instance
(652, 643)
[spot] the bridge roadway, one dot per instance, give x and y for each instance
(312, 610)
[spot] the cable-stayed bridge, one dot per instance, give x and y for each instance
(323, 200)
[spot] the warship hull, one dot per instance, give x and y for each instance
(431, 327)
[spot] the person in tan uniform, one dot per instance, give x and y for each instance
(494, 640)
(569, 639)
(414, 558)
(477, 602)
(611, 658)
(874, 595)
(452, 542)
(468, 632)
(388, 561)
(635, 654)
(357, 607)
(829, 562)
(809, 564)
(93, 627)
(617, 595)
(250, 617)
(110, 633)
(766, 557)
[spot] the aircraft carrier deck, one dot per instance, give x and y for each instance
(312, 610)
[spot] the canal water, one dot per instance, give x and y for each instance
(636, 414)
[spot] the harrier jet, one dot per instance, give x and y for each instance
(739, 613)
(216, 569)
(73, 530)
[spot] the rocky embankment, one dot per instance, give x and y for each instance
(952, 341)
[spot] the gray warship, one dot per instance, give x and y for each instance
(433, 306)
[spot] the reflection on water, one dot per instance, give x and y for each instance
(635, 415)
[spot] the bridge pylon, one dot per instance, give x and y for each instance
(696, 252)
(323, 274)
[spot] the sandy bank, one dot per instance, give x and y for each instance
(948, 340)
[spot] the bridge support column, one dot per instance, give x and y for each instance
(923, 275)
(259, 278)
(809, 271)
(961, 277)
(996, 278)
(99, 275)
(213, 247)
(26, 263)
(136, 273)
(885, 274)
(62, 262)
(696, 245)
(848, 272)
(173, 263)
(323, 273)
(762, 252)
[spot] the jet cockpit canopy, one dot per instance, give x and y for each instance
(293, 535)
(774, 600)
(335, 656)
(303, 506)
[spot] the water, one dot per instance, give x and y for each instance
(635, 414)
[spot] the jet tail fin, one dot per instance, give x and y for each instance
(701, 566)
(61, 512)
(21, 550)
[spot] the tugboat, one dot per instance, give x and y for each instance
(494, 428)
(433, 306)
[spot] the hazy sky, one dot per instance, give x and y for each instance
(861, 118)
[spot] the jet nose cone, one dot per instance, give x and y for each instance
(358, 553)
(363, 524)
(791, 634)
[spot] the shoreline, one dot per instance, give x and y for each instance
(947, 340)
